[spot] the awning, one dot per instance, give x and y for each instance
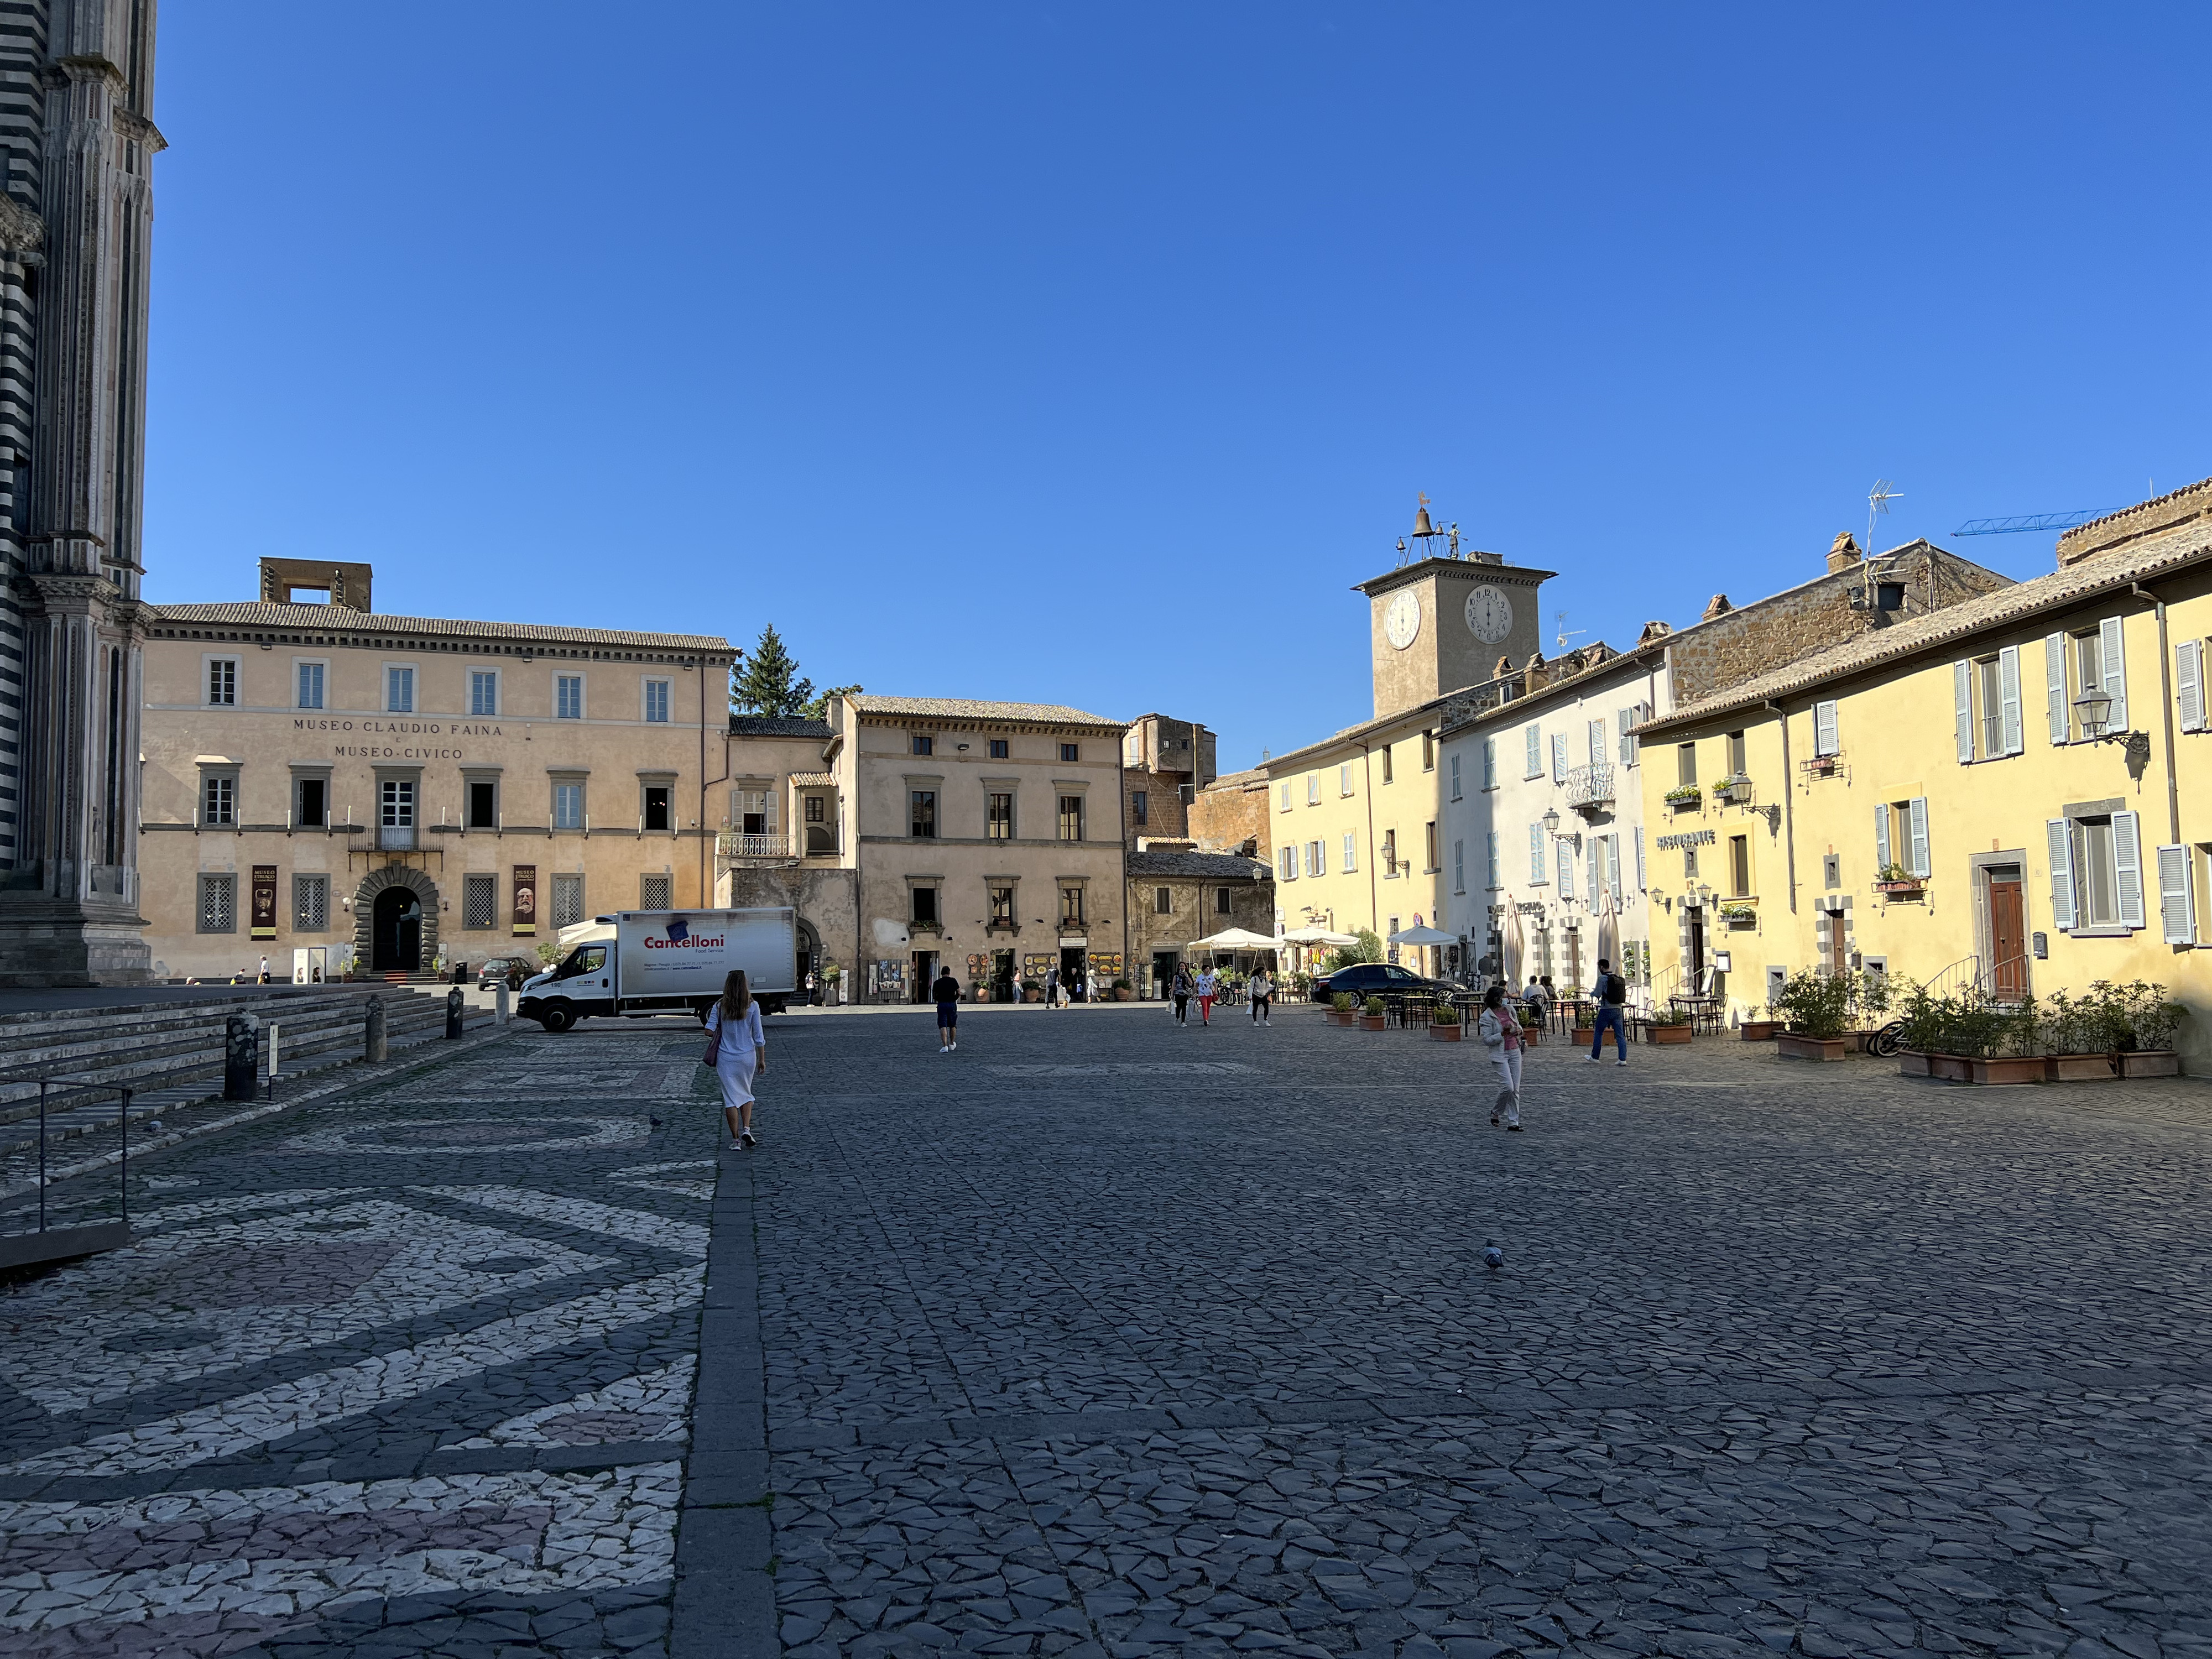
(1317, 936)
(1423, 936)
(1235, 938)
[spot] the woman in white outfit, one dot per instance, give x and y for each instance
(741, 1056)
(1501, 1037)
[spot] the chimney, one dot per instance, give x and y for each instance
(1654, 630)
(1843, 554)
(1719, 607)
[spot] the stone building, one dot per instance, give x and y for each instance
(987, 836)
(1176, 895)
(77, 146)
(781, 840)
(1164, 764)
(327, 785)
(1231, 816)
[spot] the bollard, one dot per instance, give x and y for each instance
(499, 1012)
(373, 1049)
(276, 1030)
(241, 1057)
(453, 1005)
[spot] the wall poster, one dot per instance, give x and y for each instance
(264, 900)
(526, 898)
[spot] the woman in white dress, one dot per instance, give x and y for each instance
(740, 1057)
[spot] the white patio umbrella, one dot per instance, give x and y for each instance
(1235, 938)
(1423, 936)
(1317, 936)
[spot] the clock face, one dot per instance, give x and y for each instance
(1489, 615)
(1402, 620)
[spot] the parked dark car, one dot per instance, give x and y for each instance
(513, 969)
(1372, 979)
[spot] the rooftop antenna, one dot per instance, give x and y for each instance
(1560, 622)
(1878, 501)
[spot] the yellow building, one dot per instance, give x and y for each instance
(2013, 791)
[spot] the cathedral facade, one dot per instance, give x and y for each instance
(77, 146)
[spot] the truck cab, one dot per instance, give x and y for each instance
(581, 983)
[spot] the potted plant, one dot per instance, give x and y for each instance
(1895, 880)
(1669, 1024)
(1737, 913)
(1373, 1017)
(1444, 1024)
(1123, 990)
(1684, 795)
(1343, 1010)
(2148, 1022)
(1761, 1031)
(1815, 1007)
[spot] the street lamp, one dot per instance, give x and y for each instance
(2094, 706)
(1551, 821)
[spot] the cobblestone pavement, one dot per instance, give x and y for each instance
(1105, 1335)
(407, 1371)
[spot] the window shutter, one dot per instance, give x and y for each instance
(1490, 861)
(1917, 808)
(1558, 757)
(1566, 870)
(1535, 852)
(1459, 867)
(2009, 694)
(1639, 858)
(1350, 855)
(1627, 744)
(2054, 677)
(1881, 859)
(1489, 763)
(1962, 695)
(1597, 887)
(2060, 837)
(1534, 767)
(2115, 686)
(2177, 915)
(1597, 743)
(1823, 728)
(1613, 867)
(1321, 858)
(1455, 776)
(2127, 862)
(2189, 683)
(767, 809)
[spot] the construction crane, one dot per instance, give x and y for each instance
(2027, 521)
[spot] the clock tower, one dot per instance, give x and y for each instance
(1438, 624)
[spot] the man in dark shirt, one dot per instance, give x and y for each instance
(946, 993)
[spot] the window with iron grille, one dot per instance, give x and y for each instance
(219, 801)
(568, 901)
(479, 902)
(653, 893)
(484, 691)
(218, 905)
(310, 904)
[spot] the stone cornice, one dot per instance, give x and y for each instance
(136, 128)
(21, 231)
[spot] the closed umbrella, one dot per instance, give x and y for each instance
(1515, 948)
(1608, 930)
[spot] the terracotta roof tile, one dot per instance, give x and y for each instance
(338, 619)
(962, 708)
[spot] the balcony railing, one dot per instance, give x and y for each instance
(1589, 788)
(737, 844)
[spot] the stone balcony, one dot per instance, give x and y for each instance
(741, 849)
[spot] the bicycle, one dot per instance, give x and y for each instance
(1887, 1040)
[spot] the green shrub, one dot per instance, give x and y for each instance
(1342, 1002)
(1444, 1014)
(1815, 1004)
(1367, 946)
(1374, 1007)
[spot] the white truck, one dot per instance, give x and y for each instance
(662, 962)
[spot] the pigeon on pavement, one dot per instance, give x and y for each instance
(1493, 1257)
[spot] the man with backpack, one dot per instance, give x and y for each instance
(1612, 999)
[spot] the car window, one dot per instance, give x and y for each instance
(1395, 974)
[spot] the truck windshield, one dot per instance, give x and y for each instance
(584, 959)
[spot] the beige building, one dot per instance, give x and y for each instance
(328, 787)
(1178, 895)
(987, 835)
(782, 839)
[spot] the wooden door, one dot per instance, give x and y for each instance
(1840, 955)
(1697, 973)
(2008, 938)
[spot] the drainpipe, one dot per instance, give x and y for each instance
(1788, 818)
(2165, 698)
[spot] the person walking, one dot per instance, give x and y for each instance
(740, 1054)
(1263, 992)
(946, 993)
(1052, 987)
(1501, 1037)
(264, 971)
(1611, 1000)
(1209, 987)
(1180, 992)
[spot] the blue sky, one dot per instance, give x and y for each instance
(1090, 354)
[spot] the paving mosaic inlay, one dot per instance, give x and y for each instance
(251, 1431)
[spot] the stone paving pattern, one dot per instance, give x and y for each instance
(1105, 1336)
(405, 1371)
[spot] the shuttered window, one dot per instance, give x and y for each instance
(2177, 913)
(1536, 854)
(1533, 765)
(1558, 757)
(2060, 840)
(1881, 859)
(2109, 636)
(2189, 683)
(1489, 763)
(1566, 870)
(1962, 698)
(1824, 729)
(2054, 677)
(1917, 817)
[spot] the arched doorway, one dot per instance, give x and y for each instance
(810, 954)
(396, 932)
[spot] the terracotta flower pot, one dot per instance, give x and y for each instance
(2007, 1069)
(2162, 1062)
(1669, 1033)
(1759, 1030)
(1790, 1045)
(1124, 994)
(1445, 1033)
(1585, 1036)
(1373, 1021)
(1951, 1068)
(2079, 1068)
(1910, 1062)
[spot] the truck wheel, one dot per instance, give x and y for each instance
(556, 1019)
